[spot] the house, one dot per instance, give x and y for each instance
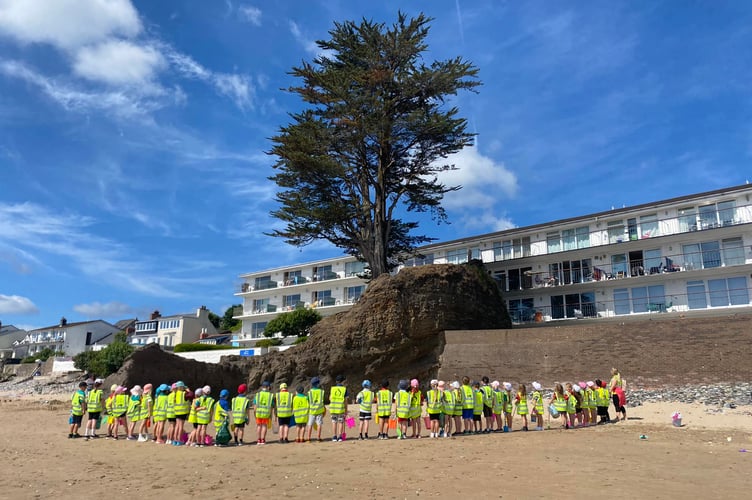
(70, 338)
(127, 325)
(690, 253)
(168, 331)
(8, 335)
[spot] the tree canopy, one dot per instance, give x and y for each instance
(374, 138)
(297, 322)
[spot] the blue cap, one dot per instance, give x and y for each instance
(224, 393)
(403, 384)
(266, 383)
(315, 381)
(366, 383)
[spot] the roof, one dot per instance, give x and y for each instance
(69, 325)
(8, 329)
(124, 324)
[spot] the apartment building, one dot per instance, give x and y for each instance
(168, 331)
(70, 338)
(682, 254)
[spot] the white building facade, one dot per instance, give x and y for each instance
(168, 331)
(70, 338)
(683, 254)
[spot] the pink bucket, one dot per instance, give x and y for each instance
(350, 422)
(208, 440)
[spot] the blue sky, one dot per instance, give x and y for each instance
(132, 133)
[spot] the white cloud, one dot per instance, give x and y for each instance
(484, 181)
(68, 23)
(118, 62)
(250, 13)
(106, 310)
(307, 44)
(15, 304)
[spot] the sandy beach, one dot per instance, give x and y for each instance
(703, 457)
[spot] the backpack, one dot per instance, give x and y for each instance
(223, 434)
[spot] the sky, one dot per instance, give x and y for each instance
(133, 134)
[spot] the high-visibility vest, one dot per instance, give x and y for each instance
(182, 405)
(415, 402)
(300, 409)
(487, 395)
(572, 403)
(146, 406)
(337, 400)
(522, 404)
(192, 411)
(498, 402)
(458, 399)
(203, 410)
(433, 404)
(365, 397)
(94, 401)
(108, 403)
(160, 408)
(134, 409)
(560, 403)
(120, 405)
(403, 404)
(468, 398)
(171, 405)
(508, 401)
(447, 405)
(240, 410)
(263, 403)
(284, 404)
(384, 402)
(538, 402)
(316, 401)
(602, 396)
(478, 402)
(77, 403)
(220, 414)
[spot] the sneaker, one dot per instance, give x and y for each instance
(131, 438)
(334, 439)
(95, 436)
(70, 436)
(86, 438)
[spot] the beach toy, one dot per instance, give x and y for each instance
(208, 440)
(553, 411)
(643, 436)
(392, 423)
(676, 419)
(506, 428)
(427, 421)
(344, 436)
(350, 422)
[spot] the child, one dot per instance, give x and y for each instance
(498, 405)
(160, 413)
(416, 405)
(119, 408)
(192, 421)
(365, 400)
(170, 412)
(263, 403)
(577, 405)
(94, 407)
(402, 401)
(520, 402)
(602, 400)
(537, 404)
(508, 406)
(316, 409)
(433, 408)
(477, 408)
(458, 408)
(447, 408)
(240, 414)
(300, 413)
(468, 403)
(146, 410)
(384, 400)
(571, 406)
(221, 411)
(204, 408)
(585, 404)
(592, 399)
(78, 407)
(338, 408)
(487, 404)
(182, 408)
(283, 409)
(108, 409)
(559, 402)
(134, 411)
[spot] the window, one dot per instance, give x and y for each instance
(553, 242)
(293, 277)
(738, 292)
(643, 296)
(290, 300)
(521, 310)
(354, 268)
(649, 226)
(419, 261)
(696, 295)
(322, 273)
(578, 237)
(572, 305)
(619, 265)
(727, 213)
(616, 231)
(353, 293)
(169, 324)
(632, 228)
(264, 282)
(458, 256)
(653, 261)
(687, 219)
(708, 217)
(711, 255)
(621, 301)
(733, 252)
(512, 249)
(257, 329)
(475, 253)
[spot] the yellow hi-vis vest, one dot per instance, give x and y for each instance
(560, 403)
(365, 398)
(284, 404)
(182, 405)
(240, 410)
(146, 406)
(384, 402)
(498, 402)
(458, 399)
(77, 403)
(433, 403)
(478, 402)
(170, 411)
(337, 400)
(508, 401)
(160, 408)
(316, 401)
(415, 405)
(468, 398)
(487, 395)
(572, 403)
(120, 405)
(447, 405)
(300, 409)
(134, 409)
(220, 414)
(94, 401)
(403, 404)
(538, 402)
(522, 404)
(203, 410)
(263, 404)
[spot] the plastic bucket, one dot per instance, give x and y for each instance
(350, 422)
(553, 411)
(392, 423)
(677, 422)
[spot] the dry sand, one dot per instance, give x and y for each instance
(702, 458)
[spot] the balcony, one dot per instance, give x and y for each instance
(326, 275)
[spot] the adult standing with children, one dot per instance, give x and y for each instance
(617, 386)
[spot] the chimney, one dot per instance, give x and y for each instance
(155, 315)
(202, 312)
(203, 335)
(63, 321)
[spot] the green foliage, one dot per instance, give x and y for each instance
(214, 319)
(374, 140)
(228, 322)
(200, 347)
(42, 355)
(108, 360)
(300, 340)
(297, 322)
(268, 342)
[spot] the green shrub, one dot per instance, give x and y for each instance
(297, 322)
(300, 340)
(200, 347)
(108, 360)
(268, 342)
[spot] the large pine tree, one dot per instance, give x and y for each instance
(375, 134)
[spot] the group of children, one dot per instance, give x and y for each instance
(178, 416)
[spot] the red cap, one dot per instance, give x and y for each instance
(242, 388)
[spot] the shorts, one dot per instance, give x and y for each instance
(76, 419)
(195, 425)
(94, 415)
(384, 416)
(467, 414)
(487, 411)
(239, 426)
(364, 415)
(338, 417)
(476, 418)
(182, 416)
(284, 420)
(403, 420)
(615, 399)
(171, 420)
(315, 419)
(262, 421)
(603, 411)
(434, 416)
